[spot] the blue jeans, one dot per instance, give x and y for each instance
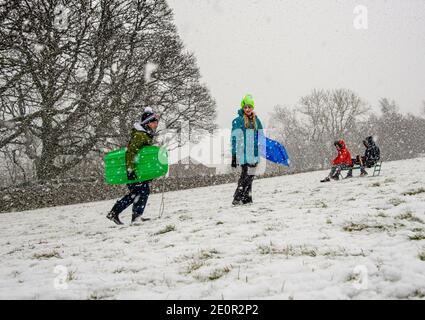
(138, 196)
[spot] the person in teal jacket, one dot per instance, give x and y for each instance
(245, 132)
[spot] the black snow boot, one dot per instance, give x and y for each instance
(248, 200)
(236, 202)
(114, 217)
(137, 218)
(327, 179)
(336, 177)
(349, 175)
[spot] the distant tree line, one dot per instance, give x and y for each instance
(309, 129)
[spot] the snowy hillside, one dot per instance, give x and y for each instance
(362, 238)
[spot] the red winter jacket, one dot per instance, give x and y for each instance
(344, 156)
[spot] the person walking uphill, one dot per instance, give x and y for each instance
(142, 135)
(342, 161)
(245, 131)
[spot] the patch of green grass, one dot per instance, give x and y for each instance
(71, 275)
(101, 295)
(320, 204)
(207, 254)
(376, 184)
(218, 273)
(194, 265)
(198, 260)
(352, 227)
(422, 255)
(168, 228)
(355, 227)
(119, 270)
(47, 255)
(414, 192)
(185, 217)
(219, 222)
(408, 215)
(353, 277)
(417, 237)
(288, 250)
(418, 293)
(396, 201)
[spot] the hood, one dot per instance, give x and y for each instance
(139, 127)
(342, 144)
(370, 141)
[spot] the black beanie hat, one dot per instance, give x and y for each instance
(148, 116)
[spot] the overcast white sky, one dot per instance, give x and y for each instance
(279, 50)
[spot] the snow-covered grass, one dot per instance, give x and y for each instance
(362, 238)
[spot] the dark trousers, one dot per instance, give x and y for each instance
(244, 190)
(361, 161)
(336, 170)
(138, 196)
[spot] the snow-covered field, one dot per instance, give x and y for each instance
(362, 238)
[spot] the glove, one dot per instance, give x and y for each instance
(234, 164)
(131, 175)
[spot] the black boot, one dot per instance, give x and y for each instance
(114, 217)
(136, 218)
(327, 179)
(236, 202)
(247, 200)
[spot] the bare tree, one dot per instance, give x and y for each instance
(73, 76)
(321, 118)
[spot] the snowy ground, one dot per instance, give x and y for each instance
(362, 238)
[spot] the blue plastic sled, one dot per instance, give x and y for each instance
(273, 151)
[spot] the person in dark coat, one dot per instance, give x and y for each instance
(371, 156)
(245, 136)
(142, 134)
(342, 161)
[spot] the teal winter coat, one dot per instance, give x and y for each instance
(245, 141)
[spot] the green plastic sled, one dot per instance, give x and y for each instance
(151, 163)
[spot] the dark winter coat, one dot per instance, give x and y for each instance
(140, 137)
(372, 153)
(344, 156)
(245, 137)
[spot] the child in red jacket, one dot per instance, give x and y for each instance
(342, 161)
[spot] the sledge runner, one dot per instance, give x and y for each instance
(371, 156)
(342, 161)
(142, 135)
(245, 130)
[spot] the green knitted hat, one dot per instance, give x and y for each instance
(247, 100)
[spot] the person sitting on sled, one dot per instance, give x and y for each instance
(245, 136)
(371, 157)
(342, 161)
(142, 134)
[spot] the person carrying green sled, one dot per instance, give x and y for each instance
(142, 134)
(245, 137)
